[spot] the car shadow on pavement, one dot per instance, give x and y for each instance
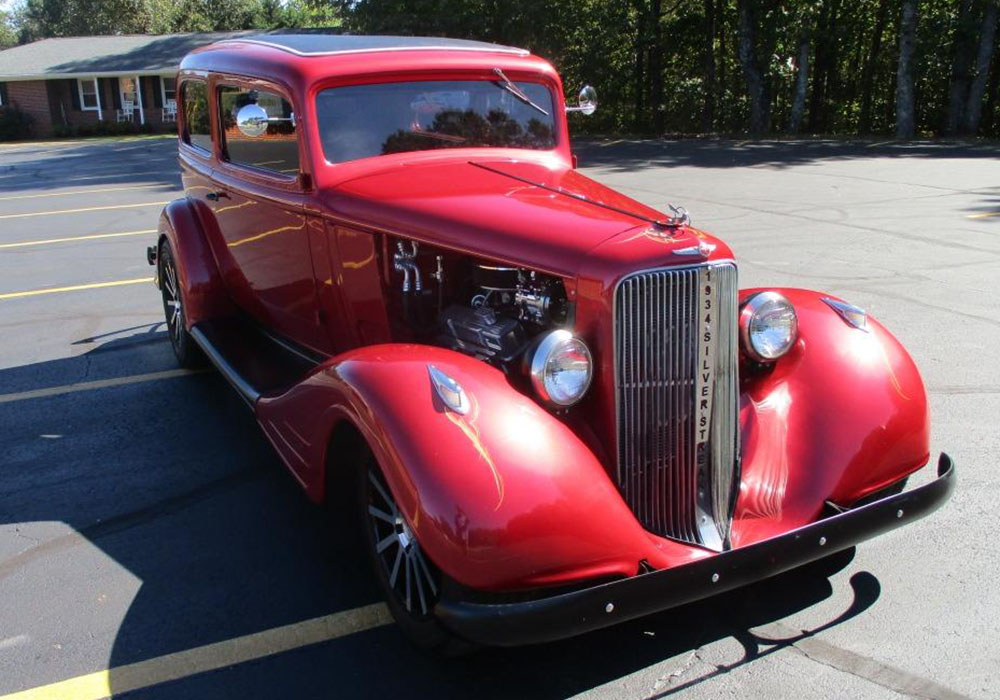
(627, 155)
(178, 509)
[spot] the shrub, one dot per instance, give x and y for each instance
(15, 123)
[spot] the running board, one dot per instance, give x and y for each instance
(254, 361)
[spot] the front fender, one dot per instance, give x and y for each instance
(204, 293)
(504, 497)
(842, 415)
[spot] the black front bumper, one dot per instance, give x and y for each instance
(569, 614)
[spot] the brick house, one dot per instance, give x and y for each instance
(74, 81)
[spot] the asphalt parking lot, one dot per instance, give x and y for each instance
(151, 545)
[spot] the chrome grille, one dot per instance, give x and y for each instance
(677, 400)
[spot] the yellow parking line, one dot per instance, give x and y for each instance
(71, 239)
(68, 194)
(210, 657)
(96, 384)
(82, 209)
(74, 288)
(984, 215)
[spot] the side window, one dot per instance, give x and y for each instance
(275, 147)
(197, 129)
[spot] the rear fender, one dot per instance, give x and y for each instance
(503, 497)
(204, 292)
(842, 415)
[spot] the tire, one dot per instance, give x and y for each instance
(410, 582)
(189, 355)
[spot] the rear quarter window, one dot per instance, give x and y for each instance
(197, 127)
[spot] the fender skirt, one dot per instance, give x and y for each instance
(505, 496)
(557, 617)
(841, 416)
(204, 293)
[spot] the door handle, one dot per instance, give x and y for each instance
(216, 196)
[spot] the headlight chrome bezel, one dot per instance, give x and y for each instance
(752, 310)
(555, 342)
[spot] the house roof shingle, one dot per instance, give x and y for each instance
(104, 55)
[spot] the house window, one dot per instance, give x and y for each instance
(128, 92)
(169, 87)
(88, 94)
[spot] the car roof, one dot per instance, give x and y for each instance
(323, 44)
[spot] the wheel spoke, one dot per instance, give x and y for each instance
(381, 546)
(395, 567)
(382, 493)
(170, 282)
(423, 565)
(408, 568)
(410, 576)
(381, 515)
(420, 587)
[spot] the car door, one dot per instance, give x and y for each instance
(258, 205)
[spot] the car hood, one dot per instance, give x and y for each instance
(546, 217)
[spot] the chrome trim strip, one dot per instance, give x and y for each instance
(280, 47)
(849, 312)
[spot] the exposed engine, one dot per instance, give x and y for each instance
(473, 306)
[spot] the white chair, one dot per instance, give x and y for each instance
(125, 113)
(170, 111)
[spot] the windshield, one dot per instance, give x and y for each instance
(369, 120)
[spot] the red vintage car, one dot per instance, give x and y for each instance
(552, 405)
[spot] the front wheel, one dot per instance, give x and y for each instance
(189, 355)
(409, 581)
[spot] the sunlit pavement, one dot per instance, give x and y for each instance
(152, 546)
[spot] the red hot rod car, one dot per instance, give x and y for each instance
(555, 407)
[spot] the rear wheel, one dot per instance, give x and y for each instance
(187, 351)
(409, 581)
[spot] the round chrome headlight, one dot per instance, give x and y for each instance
(561, 368)
(768, 326)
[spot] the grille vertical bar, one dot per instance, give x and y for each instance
(677, 392)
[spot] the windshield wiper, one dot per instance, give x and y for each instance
(514, 90)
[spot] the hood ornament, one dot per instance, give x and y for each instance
(703, 249)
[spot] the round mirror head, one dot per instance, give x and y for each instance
(588, 100)
(251, 120)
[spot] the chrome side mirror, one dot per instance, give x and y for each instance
(252, 120)
(588, 101)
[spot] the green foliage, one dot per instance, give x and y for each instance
(15, 124)
(8, 30)
(38, 19)
(659, 66)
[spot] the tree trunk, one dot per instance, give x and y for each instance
(868, 72)
(905, 99)
(993, 91)
(639, 77)
(656, 67)
(708, 115)
(974, 107)
(720, 14)
(801, 84)
(963, 47)
(824, 64)
(760, 103)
